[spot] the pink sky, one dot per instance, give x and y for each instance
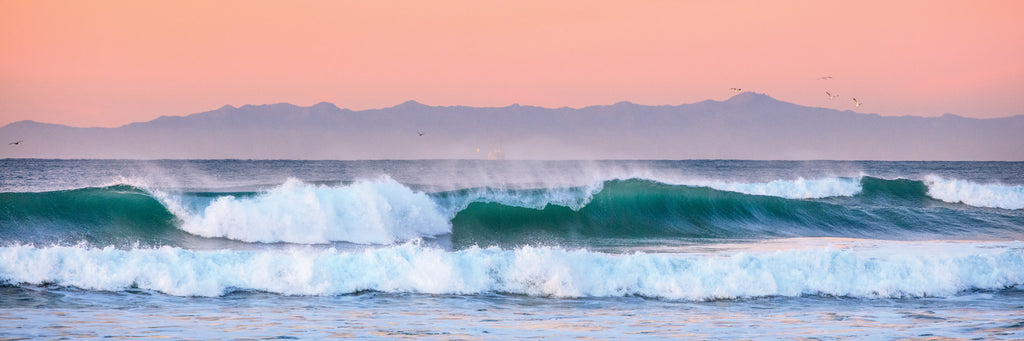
(109, 63)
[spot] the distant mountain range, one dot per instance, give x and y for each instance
(746, 126)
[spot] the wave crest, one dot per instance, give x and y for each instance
(974, 194)
(576, 198)
(366, 212)
(792, 189)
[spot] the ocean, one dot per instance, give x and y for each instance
(467, 249)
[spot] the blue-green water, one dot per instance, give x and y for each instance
(500, 249)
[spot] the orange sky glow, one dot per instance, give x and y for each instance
(109, 63)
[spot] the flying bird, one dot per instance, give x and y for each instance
(16, 142)
(735, 89)
(856, 102)
(824, 78)
(419, 132)
(830, 96)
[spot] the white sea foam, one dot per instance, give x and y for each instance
(899, 270)
(574, 198)
(578, 197)
(381, 211)
(791, 189)
(975, 194)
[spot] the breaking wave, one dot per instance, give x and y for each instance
(384, 211)
(886, 271)
(974, 194)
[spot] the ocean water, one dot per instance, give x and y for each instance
(199, 249)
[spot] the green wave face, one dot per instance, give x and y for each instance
(115, 215)
(629, 211)
(639, 209)
(909, 191)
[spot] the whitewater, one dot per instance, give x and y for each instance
(605, 248)
(846, 268)
(382, 211)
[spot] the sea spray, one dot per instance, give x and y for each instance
(378, 211)
(573, 198)
(799, 188)
(975, 194)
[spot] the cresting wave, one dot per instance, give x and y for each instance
(383, 211)
(366, 212)
(979, 195)
(876, 271)
(117, 215)
(790, 189)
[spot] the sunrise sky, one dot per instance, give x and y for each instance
(109, 63)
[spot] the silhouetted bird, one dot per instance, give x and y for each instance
(856, 102)
(824, 78)
(830, 96)
(419, 132)
(16, 142)
(735, 89)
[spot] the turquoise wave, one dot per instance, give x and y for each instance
(632, 209)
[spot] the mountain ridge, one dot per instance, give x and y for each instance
(746, 126)
(739, 98)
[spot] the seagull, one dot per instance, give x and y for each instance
(735, 89)
(830, 96)
(856, 102)
(419, 132)
(16, 142)
(824, 78)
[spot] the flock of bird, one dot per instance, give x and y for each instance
(856, 103)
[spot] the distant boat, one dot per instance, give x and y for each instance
(496, 154)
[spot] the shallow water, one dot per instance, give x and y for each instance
(66, 313)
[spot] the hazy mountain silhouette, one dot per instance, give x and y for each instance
(747, 126)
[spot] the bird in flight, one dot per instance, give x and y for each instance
(830, 96)
(419, 132)
(16, 142)
(856, 102)
(824, 78)
(735, 89)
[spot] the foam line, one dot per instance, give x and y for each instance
(900, 270)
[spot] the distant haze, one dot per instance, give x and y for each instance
(747, 126)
